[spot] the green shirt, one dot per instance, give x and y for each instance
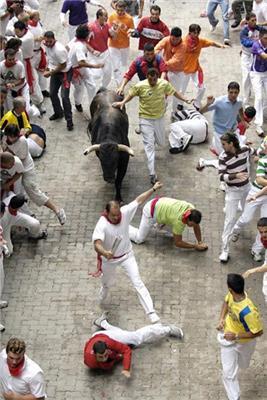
(261, 171)
(170, 212)
(152, 98)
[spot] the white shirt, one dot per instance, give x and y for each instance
(31, 380)
(37, 31)
(21, 149)
(78, 52)
(260, 9)
(12, 74)
(3, 22)
(17, 168)
(57, 55)
(108, 233)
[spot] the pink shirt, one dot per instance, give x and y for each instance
(99, 36)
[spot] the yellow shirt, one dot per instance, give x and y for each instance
(242, 316)
(10, 118)
(170, 212)
(125, 22)
(152, 98)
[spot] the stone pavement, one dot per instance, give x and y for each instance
(52, 300)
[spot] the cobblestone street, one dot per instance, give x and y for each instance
(52, 299)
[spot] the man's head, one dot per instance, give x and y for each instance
(194, 218)
(3, 95)
(102, 16)
(3, 41)
(82, 32)
(120, 8)
(10, 57)
(233, 91)
(251, 19)
(14, 43)
(263, 38)
(113, 211)
(19, 105)
(249, 113)
(101, 351)
(152, 76)
(15, 350)
(49, 39)
(35, 16)
(194, 30)
(155, 14)
(20, 28)
(12, 134)
(262, 227)
(17, 201)
(7, 160)
(149, 52)
(235, 283)
(230, 142)
(176, 36)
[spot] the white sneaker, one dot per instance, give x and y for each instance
(177, 332)
(98, 321)
(201, 164)
(256, 256)
(3, 304)
(154, 318)
(222, 186)
(260, 131)
(2, 328)
(235, 237)
(224, 257)
(61, 216)
(227, 42)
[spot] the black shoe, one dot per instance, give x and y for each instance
(70, 126)
(79, 107)
(55, 116)
(176, 150)
(153, 179)
(235, 24)
(45, 93)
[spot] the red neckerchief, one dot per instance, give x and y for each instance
(12, 211)
(32, 22)
(185, 216)
(9, 65)
(16, 371)
(264, 242)
(192, 43)
(105, 214)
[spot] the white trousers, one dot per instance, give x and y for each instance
(246, 61)
(72, 31)
(34, 148)
(232, 200)
(119, 59)
(248, 214)
(153, 132)
(86, 80)
(101, 76)
(36, 96)
(200, 86)
(22, 220)
(129, 264)
(234, 357)
(139, 235)
(2, 273)
(43, 82)
(32, 189)
(198, 128)
(147, 334)
(259, 84)
(176, 79)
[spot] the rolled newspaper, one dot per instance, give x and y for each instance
(116, 243)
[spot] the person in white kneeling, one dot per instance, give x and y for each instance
(20, 377)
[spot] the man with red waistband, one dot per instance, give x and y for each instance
(175, 213)
(27, 48)
(112, 344)
(113, 246)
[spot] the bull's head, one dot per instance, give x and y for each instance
(108, 154)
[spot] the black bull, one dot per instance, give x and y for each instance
(108, 129)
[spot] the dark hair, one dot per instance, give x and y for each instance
(250, 112)
(12, 130)
(3, 207)
(110, 204)
(49, 35)
(82, 32)
(236, 282)
(20, 25)
(230, 137)
(233, 85)
(100, 12)
(194, 28)
(10, 52)
(13, 43)
(177, 32)
(17, 201)
(149, 47)
(262, 222)
(195, 216)
(152, 72)
(155, 8)
(16, 346)
(120, 3)
(99, 347)
(250, 15)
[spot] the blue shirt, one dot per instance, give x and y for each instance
(77, 11)
(225, 114)
(258, 64)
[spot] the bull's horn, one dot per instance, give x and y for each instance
(123, 147)
(89, 149)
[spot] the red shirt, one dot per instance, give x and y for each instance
(117, 351)
(151, 32)
(99, 37)
(141, 66)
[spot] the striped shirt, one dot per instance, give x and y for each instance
(261, 171)
(231, 164)
(181, 115)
